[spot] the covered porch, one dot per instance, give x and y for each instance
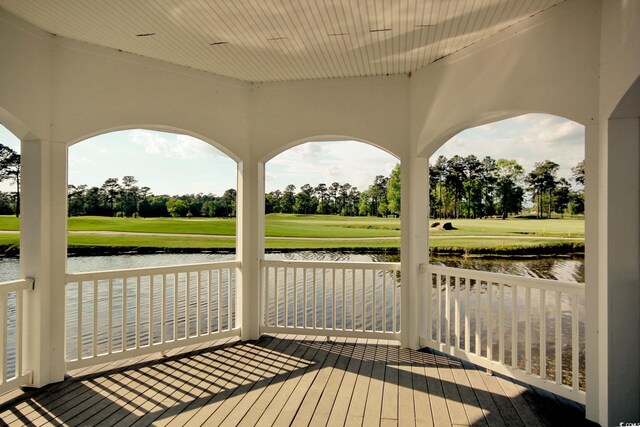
(404, 77)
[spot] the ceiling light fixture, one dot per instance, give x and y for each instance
(379, 30)
(145, 34)
(217, 43)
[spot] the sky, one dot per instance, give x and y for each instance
(180, 164)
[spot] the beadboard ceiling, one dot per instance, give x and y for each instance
(271, 40)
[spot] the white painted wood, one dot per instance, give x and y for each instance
(329, 279)
(157, 316)
(484, 312)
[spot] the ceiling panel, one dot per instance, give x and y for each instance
(269, 40)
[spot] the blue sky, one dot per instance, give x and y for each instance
(179, 164)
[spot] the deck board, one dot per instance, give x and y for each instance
(290, 380)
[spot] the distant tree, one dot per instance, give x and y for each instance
(288, 199)
(576, 203)
(10, 170)
(323, 198)
(394, 190)
(272, 202)
(305, 203)
(561, 196)
(542, 183)
(76, 200)
(578, 173)
(112, 190)
(177, 207)
(509, 192)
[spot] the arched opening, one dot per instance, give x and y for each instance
(505, 198)
(9, 204)
(157, 210)
(327, 202)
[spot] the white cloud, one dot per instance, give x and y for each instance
(172, 146)
(327, 162)
(528, 139)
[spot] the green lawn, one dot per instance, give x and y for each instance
(315, 231)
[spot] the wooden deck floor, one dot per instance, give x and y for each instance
(296, 381)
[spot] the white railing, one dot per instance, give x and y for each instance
(117, 314)
(530, 329)
(341, 299)
(12, 375)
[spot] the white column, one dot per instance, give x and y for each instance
(43, 255)
(620, 305)
(414, 248)
(250, 246)
(593, 161)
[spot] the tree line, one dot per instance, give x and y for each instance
(459, 187)
(467, 187)
(381, 198)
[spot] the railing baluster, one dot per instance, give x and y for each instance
(489, 321)
(364, 299)
(187, 304)
(467, 314)
(295, 297)
(447, 311)
(456, 314)
(478, 317)
(163, 308)
(4, 312)
(198, 303)
(18, 353)
(229, 301)
(353, 299)
(277, 302)
(439, 310)
(374, 311)
(305, 298)
(333, 299)
(267, 302)
(575, 345)
(124, 313)
(95, 318)
(110, 315)
(219, 275)
(315, 302)
(79, 331)
(501, 324)
(324, 298)
(286, 296)
(543, 335)
(527, 330)
(137, 325)
(384, 300)
(558, 337)
(514, 327)
(174, 309)
(395, 314)
(151, 309)
(209, 316)
(344, 299)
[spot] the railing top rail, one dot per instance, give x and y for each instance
(16, 285)
(132, 272)
(531, 282)
(365, 265)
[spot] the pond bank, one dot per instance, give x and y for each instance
(548, 249)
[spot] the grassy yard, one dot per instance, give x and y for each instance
(315, 231)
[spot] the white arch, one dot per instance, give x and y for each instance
(161, 128)
(323, 138)
(431, 145)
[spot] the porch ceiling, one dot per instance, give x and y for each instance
(275, 40)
